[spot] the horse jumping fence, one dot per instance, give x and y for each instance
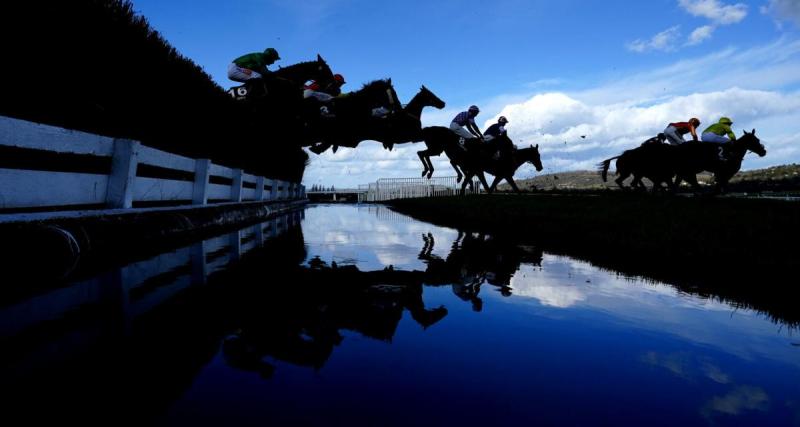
(407, 188)
(28, 188)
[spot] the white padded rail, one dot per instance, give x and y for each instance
(24, 188)
(154, 157)
(154, 189)
(25, 134)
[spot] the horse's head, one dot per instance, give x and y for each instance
(430, 99)
(531, 155)
(323, 75)
(752, 143)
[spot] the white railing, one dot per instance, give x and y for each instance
(407, 188)
(23, 188)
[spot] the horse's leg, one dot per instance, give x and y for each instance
(623, 175)
(467, 179)
(482, 177)
(458, 171)
(513, 184)
(494, 184)
(422, 156)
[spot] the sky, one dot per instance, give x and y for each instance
(583, 80)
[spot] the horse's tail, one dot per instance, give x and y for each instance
(603, 167)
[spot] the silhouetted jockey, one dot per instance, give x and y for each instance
(463, 125)
(504, 148)
(323, 96)
(496, 129)
(252, 65)
(658, 139)
(676, 131)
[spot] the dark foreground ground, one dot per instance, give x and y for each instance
(736, 249)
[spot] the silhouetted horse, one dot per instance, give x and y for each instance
(652, 161)
(660, 162)
(695, 158)
(402, 127)
(476, 158)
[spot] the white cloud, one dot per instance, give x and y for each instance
(716, 11)
(700, 34)
(663, 41)
(784, 10)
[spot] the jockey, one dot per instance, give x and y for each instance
(313, 90)
(252, 65)
(463, 124)
(676, 131)
(493, 132)
(720, 131)
(496, 129)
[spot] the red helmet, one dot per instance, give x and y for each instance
(338, 78)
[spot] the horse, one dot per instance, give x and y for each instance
(351, 112)
(661, 162)
(692, 159)
(476, 159)
(294, 76)
(403, 127)
(651, 161)
(502, 168)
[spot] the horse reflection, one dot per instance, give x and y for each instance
(476, 259)
(301, 325)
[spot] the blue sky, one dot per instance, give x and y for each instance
(616, 71)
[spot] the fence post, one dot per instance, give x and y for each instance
(259, 188)
(273, 192)
(236, 186)
(201, 173)
(119, 193)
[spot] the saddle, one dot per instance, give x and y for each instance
(255, 88)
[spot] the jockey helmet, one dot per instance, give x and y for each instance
(725, 121)
(474, 109)
(338, 78)
(502, 120)
(694, 121)
(272, 53)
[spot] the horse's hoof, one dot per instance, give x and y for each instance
(430, 174)
(423, 173)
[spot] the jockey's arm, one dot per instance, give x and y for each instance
(693, 130)
(474, 130)
(731, 135)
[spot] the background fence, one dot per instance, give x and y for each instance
(407, 188)
(180, 179)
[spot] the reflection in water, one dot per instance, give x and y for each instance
(361, 312)
(301, 324)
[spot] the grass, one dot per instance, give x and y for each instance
(781, 179)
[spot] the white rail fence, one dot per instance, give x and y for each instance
(137, 288)
(407, 188)
(23, 188)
